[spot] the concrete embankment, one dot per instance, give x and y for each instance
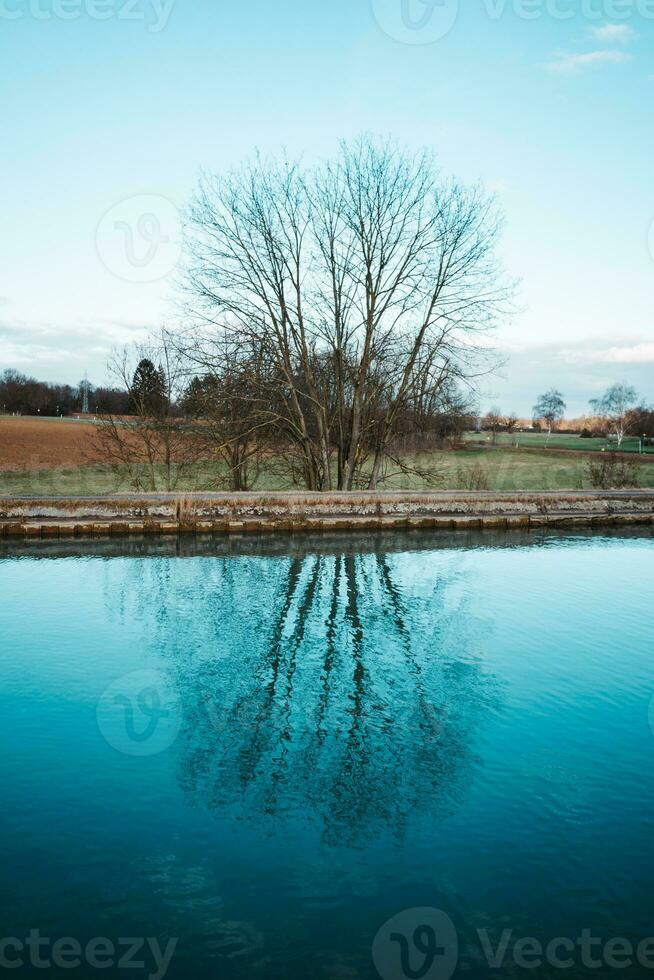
(206, 513)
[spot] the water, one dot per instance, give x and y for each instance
(268, 750)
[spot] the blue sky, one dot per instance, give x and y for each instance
(552, 112)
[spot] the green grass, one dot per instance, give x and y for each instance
(503, 469)
(558, 440)
(511, 470)
(95, 480)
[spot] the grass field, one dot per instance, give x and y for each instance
(42, 457)
(501, 469)
(558, 440)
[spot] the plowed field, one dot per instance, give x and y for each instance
(41, 444)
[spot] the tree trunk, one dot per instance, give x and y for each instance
(376, 471)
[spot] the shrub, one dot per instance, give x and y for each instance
(472, 477)
(609, 471)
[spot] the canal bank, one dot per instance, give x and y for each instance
(224, 513)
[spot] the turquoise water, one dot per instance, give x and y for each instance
(267, 752)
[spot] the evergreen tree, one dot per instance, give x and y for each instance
(148, 389)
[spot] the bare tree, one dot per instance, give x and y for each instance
(511, 422)
(152, 445)
(361, 284)
(225, 399)
(494, 423)
(615, 410)
(550, 408)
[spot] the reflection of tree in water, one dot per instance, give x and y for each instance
(324, 687)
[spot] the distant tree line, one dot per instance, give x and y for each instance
(618, 413)
(24, 395)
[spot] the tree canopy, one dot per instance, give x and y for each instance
(362, 289)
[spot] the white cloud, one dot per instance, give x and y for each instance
(635, 354)
(55, 352)
(614, 33)
(582, 371)
(567, 64)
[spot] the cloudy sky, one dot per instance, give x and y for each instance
(110, 108)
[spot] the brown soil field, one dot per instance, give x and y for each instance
(41, 444)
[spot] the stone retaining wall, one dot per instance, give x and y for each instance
(220, 513)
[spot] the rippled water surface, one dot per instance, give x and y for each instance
(270, 752)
